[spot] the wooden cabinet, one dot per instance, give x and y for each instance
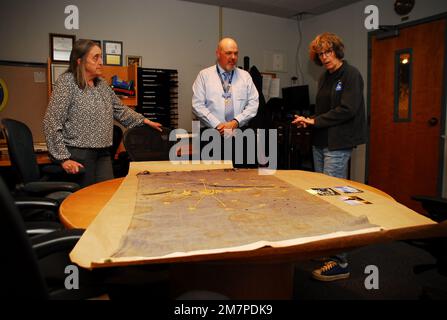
(294, 146)
(125, 73)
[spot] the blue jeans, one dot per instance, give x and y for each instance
(333, 163)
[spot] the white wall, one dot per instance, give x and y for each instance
(167, 33)
(348, 23)
(257, 34)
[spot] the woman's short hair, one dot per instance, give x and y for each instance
(323, 42)
(80, 50)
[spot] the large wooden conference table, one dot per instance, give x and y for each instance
(265, 273)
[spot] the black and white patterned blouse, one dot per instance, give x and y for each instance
(83, 118)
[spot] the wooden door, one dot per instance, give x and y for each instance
(404, 153)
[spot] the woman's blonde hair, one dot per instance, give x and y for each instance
(323, 42)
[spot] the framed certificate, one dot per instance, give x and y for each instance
(113, 53)
(138, 60)
(61, 46)
(56, 70)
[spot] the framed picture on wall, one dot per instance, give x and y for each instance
(60, 47)
(56, 70)
(113, 53)
(138, 60)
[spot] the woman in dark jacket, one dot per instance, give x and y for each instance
(339, 124)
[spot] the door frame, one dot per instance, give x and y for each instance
(442, 138)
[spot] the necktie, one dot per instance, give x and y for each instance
(229, 109)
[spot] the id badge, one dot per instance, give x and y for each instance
(227, 97)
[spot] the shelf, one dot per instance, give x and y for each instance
(158, 95)
(125, 73)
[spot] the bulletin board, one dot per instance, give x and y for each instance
(27, 94)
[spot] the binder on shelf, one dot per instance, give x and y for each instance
(124, 92)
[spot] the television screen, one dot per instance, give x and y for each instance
(296, 99)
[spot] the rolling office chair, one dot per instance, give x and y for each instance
(39, 215)
(21, 153)
(120, 162)
(147, 144)
(23, 275)
(436, 208)
(117, 137)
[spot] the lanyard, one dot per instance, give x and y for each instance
(225, 88)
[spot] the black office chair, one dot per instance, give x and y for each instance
(147, 144)
(23, 276)
(436, 208)
(120, 162)
(40, 215)
(117, 138)
(21, 153)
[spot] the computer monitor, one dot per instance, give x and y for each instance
(296, 99)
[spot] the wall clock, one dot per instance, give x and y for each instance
(403, 7)
(3, 94)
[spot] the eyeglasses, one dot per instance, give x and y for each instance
(325, 53)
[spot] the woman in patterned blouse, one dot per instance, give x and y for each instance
(78, 123)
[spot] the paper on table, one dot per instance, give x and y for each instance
(103, 236)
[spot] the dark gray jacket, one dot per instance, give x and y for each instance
(345, 121)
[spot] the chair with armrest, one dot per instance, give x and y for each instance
(23, 276)
(40, 215)
(21, 153)
(436, 208)
(120, 162)
(117, 138)
(147, 144)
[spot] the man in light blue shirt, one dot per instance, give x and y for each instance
(224, 95)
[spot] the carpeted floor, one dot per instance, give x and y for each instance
(395, 263)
